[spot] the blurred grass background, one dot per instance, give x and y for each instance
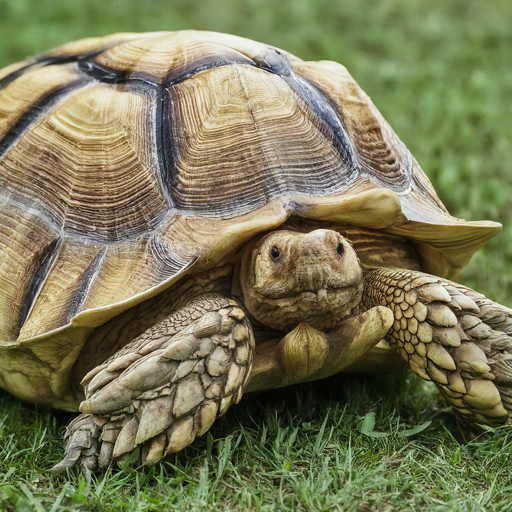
(440, 72)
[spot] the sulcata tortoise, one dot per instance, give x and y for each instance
(185, 216)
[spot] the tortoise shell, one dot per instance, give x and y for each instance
(131, 160)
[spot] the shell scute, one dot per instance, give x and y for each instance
(239, 119)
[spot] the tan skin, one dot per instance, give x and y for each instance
(290, 278)
(309, 285)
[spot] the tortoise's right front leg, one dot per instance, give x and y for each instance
(164, 388)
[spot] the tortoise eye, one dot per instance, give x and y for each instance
(275, 252)
(340, 249)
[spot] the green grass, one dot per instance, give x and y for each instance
(440, 72)
(296, 449)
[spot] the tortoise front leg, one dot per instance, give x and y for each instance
(451, 335)
(164, 388)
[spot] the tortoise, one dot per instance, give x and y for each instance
(186, 216)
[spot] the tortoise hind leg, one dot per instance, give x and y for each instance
(453, 336)
(164, 388)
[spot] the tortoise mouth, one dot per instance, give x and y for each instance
(321, 309)
(322, 293)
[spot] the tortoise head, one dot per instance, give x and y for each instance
(290, 277)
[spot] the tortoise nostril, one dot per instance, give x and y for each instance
(340, 249)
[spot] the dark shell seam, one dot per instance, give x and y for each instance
(41, 270)
(35, 63)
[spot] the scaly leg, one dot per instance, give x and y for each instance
(451, 335)
(165, 388)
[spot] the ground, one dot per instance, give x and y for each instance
(440, 72)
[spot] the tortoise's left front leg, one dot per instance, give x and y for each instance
(451, 335)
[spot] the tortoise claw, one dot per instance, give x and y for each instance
(82, 445)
